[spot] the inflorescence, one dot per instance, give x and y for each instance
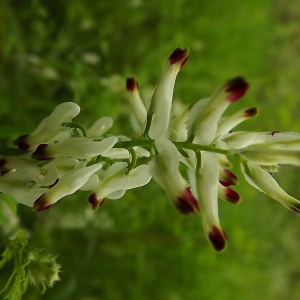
(61, 156)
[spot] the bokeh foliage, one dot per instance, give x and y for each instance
(139, 247)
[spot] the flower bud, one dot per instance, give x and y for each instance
(161, 100)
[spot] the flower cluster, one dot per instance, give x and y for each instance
(61, 156)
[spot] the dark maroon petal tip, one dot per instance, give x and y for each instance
(225, 183)
(230, 174)
(218, 238)
(184, 62)
(236, 88)
(131, 84)
(274, 132)
(295, 208)
(40, 153)
(251, 112)
(94, 201)
(3, 162)
(21, 142)
(177, 55)
(232, 196)
(187, 203)
(227, 178)
(41, 204)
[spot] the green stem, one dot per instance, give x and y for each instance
(198, 155)
(148, 124)
(195, 147)
(132, 163)
(134, 143)
(77, 126)
(182, 145)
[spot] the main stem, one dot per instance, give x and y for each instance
(183, 145)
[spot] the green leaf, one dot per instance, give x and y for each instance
(10, 202)
(6, 256)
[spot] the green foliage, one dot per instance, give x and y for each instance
(17, 282)
(28, 266)
(138, 247)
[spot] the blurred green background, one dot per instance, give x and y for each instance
(139, 247)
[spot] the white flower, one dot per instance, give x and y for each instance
(138, 109)
(17, 185)
(51, 127)
(164, 169)
(67, 185)
(205, 114)
(266, 155)
(115, 180)
(264, 182)
(228, 123)
(77, 147)
(161, 101)
(99, 127)
(207, 181)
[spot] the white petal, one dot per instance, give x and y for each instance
(116, 195)
(242, 139)
(67, 185)
(205, 115)
(63, 113)
(116, 153)
(52, 125)
(138, 109)
(228, 123)
(161, 101)
(91, 184)
(77, 147)
(207, 180)
(264, 182)
(164, 169)
(100, 127)
(117, 180)
(263, 155)
(15, 184)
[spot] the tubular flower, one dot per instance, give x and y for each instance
(164, 169)
(99, 127)
(205, 114)
(51, 127)
(17, 185)
(115, 180)
(161, 101)
(77, 147)
(139, 112)
(67, 185)
(267, 156)
(228, 194)
(264, 182)
(227, 124)
(206, 180)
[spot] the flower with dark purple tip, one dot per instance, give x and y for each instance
(51, 127)
(114, 179)
(206, 181)
(67, 185)
(164, 169)
(205, 114)
(138, 109)
(161, 100)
